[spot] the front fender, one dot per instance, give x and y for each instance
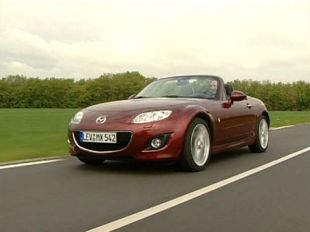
(193, 111)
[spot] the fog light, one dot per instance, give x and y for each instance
(156, 143)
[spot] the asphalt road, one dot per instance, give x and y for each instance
(69, 196)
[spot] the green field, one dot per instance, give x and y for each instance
(284, 118)
(33, 133)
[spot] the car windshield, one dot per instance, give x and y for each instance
(187, 87)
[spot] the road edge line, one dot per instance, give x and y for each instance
(29, 163)
(281, 127)
(33, 159)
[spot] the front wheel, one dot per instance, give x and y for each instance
(197, 146)
(262, 136)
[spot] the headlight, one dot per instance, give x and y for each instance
(77, 117)
(152, 116)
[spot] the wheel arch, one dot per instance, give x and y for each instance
(195, 111)
(207, 117)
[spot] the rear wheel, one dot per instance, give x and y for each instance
(197, 146)
(90, 161)
(262, 136)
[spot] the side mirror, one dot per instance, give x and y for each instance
(237, 96)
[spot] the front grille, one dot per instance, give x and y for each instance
(123, 139)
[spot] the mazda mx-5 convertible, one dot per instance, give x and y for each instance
(182, 118)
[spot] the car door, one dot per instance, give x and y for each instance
(234, 121)
(240, 118)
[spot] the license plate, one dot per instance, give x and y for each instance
(98, 137)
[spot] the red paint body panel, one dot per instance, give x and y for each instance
(232, 124)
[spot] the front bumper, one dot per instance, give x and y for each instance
(138, 144)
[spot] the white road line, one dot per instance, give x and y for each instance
(55, 160)
(192, 195)
(29, 163)
(282, 127)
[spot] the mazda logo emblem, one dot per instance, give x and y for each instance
(101, 119)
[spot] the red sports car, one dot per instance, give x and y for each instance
(182, 118)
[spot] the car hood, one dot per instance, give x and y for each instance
(144, 104)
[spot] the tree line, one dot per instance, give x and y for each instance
(23, 92)
(277, 96)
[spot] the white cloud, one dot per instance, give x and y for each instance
(235, 39)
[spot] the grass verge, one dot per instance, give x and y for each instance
(39, 133)
(33, 133)
(284, 118)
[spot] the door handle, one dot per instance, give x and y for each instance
(249, 105)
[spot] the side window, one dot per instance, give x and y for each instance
(213, 88)
(225, 98)
(228, 90)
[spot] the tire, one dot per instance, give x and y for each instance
(197, 147)
(90, 161)
(262, 136)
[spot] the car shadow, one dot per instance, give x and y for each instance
(130, 166)
(229, 155)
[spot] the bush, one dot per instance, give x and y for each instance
(278, 96)
(22, 92)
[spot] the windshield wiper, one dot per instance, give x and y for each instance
(201, 97)
(172, 96)
(140, 97)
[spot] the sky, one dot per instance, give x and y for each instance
(234, 39)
